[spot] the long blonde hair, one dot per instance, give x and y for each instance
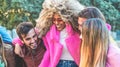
(2, 52)
(95, 39)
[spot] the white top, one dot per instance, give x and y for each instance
(65, 53)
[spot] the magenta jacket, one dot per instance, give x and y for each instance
(54, 48)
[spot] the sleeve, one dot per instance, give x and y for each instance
(46, 58)
(9, 54)
(5, 36)
(108, 26)
(17, 40)
(113, 57)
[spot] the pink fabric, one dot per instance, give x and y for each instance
(108, 26)
(17, 40)
(52, 56)
(113, 57)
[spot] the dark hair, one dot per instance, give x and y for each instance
(91, 12)
(23, 28)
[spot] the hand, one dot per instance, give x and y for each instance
(18, 50)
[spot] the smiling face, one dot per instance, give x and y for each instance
(30, 39)
(80, 22)
(59, 23)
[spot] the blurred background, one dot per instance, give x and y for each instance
(12, 12)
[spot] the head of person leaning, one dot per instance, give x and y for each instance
(87, 13)
(27, 34)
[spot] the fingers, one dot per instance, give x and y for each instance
(21, 54)
(18, 50)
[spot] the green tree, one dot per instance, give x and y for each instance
(11, 13)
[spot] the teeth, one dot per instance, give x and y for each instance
(58, 26)
(34, 46)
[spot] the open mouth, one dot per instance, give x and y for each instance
(33, 46)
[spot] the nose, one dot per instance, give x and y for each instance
(56, 22)
(32, 40)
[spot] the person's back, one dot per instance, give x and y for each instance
(5, 35)
(7, 54)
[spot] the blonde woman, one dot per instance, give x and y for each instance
(96, 49)
(61, 34)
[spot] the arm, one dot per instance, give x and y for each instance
(18, 50)
(113, 57)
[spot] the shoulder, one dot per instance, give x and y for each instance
(113, 49)
(8, 50)
(113, 56)
(8, 47)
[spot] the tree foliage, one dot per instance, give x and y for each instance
(13, 12)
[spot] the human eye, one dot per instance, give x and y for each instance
(27, 39)
(35, 36)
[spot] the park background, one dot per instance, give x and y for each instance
(12, 12)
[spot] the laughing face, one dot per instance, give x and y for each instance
(31, 39)
(59, 23)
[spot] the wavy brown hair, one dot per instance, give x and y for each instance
(95, 39)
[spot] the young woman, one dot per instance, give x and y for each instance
(89, 12)
(62, 37)
(93, 12)
(96, 48)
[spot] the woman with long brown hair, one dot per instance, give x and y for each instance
(96, 49)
